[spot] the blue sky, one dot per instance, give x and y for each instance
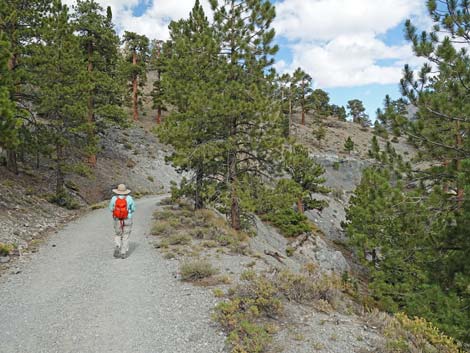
(351, 48)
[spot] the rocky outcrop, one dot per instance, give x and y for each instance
(342, 172)
(308, 248)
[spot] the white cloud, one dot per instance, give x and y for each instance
(156, 18)
(338, 41)
(327, 19)
(350, 60)
(154, 22)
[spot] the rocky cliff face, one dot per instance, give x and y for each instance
(342, 175)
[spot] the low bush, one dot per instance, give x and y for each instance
(249, 302)
(179, 239)
(416, 335)
(64, 200)
(197, 269)
(5, 249)
(289, 222)
(161, 228)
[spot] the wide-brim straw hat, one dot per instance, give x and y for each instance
(121, 190)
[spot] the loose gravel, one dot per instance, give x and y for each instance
(73, 296)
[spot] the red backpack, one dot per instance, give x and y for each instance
(120, 209)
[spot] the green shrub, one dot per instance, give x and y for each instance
(255, 298)
(72, 185)
(5, 249)
(290, 251)
(289, 222)
(197, 269)
(160, 228)
(249, 337)
(416, 335)
(180, 239)
(81, 169)
(169, 256)
(163, 214)
(99, 205)
(64, 200)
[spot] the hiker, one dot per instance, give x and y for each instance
(122, 207)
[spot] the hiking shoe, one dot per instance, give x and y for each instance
(123, 255)
(117, 252)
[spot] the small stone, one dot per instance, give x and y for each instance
(4, 259)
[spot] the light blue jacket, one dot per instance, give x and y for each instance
(130, 204)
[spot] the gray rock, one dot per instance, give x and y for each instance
(329, 259)
(4, 259)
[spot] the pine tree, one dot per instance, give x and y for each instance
(302, 83)
(374, 151)
(442, 126)
(319, 132)
(59, 79)
(9, 124)
(99, 44)
(349, 145)
(19, 22)
(307, 174)
(440, 131)
(402, 236)
(320, 103)
(394, 115)
(157, 64)
(250, 121)
(339, 112)
(286, 96)
(190, 83)
(419, 226)
(136, 57)
(358, 112)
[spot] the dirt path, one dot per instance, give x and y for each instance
(73, 296)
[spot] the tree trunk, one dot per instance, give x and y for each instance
(134, 89)
(290, 113)
(198, 201)
(458, 166)
(12, 164)
(300, 205)
(303, 102)
(159, 109)
(445, 187)
(234, 207)
(159, 115)
(91, 116)
(59, 171)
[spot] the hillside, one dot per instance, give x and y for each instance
(327, 318)
(130, 155)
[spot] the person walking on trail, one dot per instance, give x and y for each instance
(122, 207)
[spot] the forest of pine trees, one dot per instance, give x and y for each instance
(66, 76)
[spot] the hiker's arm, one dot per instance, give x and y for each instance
(132, 205)
(111, 203)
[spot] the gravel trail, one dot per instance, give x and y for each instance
(73, 296)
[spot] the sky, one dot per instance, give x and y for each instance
(353, 49)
